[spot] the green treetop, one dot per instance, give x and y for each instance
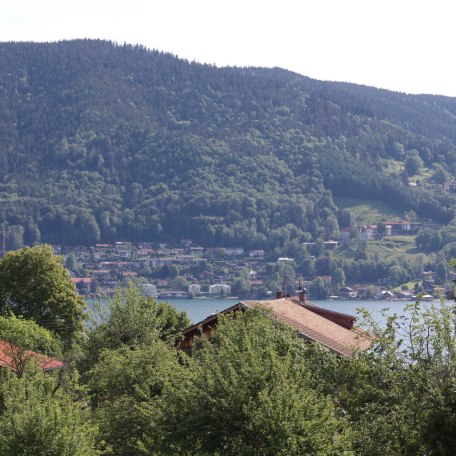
(35, 285)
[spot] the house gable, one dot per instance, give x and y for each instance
(333, 330)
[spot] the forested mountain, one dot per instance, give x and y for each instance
(102, 141)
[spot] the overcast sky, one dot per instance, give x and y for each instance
(403, 45)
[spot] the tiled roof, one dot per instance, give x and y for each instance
(314, 327)
(8, 351)
(81, 279)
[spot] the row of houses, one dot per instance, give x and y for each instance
(427, 290)
(109, 265)
(396, 228)
(216, 289)
(128, 250)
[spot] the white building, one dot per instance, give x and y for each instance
(284, 259)
(256, 254)
(216, 289)
(234, 251)
(150, 290)
(194, 288)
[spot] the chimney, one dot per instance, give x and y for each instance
(279, 294)
(302, 295)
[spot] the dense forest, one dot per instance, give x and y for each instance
(100, 141)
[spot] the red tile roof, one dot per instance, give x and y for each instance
(318, 328)
(312, 326)
(81, 279)
(10, 352)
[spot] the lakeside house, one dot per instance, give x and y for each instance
(172, 295)
(348, 293)
(194, 288)
(150, 290)
(334, 330)
(218, 288)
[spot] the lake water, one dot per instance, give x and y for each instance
(199, 309)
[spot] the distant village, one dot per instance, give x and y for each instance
(187, 270)
(205, 271)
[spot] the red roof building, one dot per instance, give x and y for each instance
(334, 330)
(14, 358)
(81, 280)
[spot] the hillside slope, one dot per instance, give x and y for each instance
(100, 141)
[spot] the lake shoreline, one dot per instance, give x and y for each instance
(198, 309)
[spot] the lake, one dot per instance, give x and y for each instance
(197, 309)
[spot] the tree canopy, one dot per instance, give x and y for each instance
(132, 320)
(35, 285)
(40, 419)
(248, 391)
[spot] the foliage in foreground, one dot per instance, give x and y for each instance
(254, 389)
(41, 418)
(400, 397)
(249, 392)
(126, 387)
(132, 320)
(35, 285)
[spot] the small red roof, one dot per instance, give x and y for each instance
(8, 352)
(81, 280)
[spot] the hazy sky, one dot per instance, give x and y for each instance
(404, 45)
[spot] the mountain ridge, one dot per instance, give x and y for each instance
(106, 141)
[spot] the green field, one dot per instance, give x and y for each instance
(391, 166)
(368, 211)
(392, 247)
(395, 246)
(410, 285)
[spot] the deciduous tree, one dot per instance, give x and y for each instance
(35, 285)
(132, 320)
(126, 387)
(248, 392)
(40, 419)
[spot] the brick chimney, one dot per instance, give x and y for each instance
(302, 295)
(279, 294)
